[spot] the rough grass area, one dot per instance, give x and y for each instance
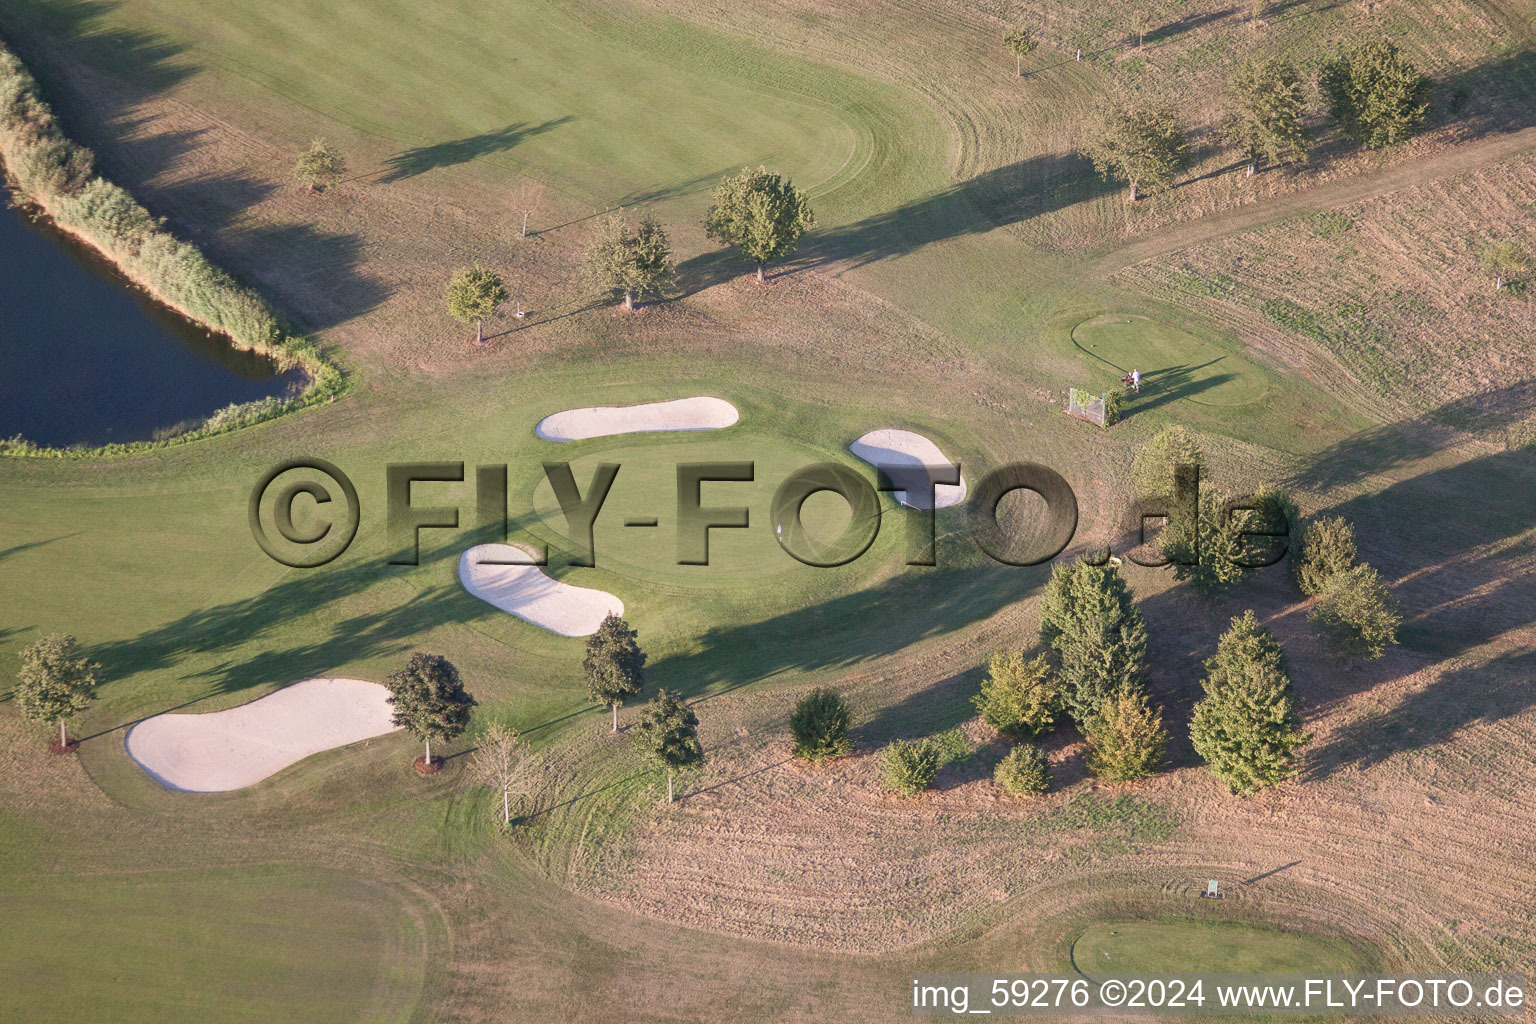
(1391, 290)
(1121, 948)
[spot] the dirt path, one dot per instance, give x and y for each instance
(1455, 160)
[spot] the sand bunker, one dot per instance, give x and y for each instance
(683, 414)
(224, 750)
(526, 592)
(904, 448)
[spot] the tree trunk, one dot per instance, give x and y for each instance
(63, 737)
(629, 298)
(669, 787)
(760, 276)
(429, 752)
(525, 222)
(506, 808)
(1252, 166)
(1133, 192)
(615, 717)
(479, 331)
(1021, 65)
(1500, 286)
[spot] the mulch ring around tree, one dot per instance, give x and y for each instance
(63, 748)
(432, 767)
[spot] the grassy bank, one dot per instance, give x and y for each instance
(57, 175)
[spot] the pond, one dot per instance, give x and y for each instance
(86, 358)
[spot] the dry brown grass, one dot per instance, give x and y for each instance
(1390, 288)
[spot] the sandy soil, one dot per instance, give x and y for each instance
(904, 448)
(238, 747)
(526, 592)
(699, 413)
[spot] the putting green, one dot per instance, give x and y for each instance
(1209, 947)
(1174, 363)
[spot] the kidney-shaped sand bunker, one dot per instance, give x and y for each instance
(223, 750)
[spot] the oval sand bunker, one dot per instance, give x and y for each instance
(601, 421)
(238, 747)
(510, 582)
(903, 448)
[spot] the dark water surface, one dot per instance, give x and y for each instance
(85, 358)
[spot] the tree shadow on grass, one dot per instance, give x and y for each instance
(997, 198)
(845, 631)
(421, 159)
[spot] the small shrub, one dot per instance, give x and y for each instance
(1126, 740)
(1020, 696)
(1327, 548)
(908, 767)
(820, 725)
(1023, 772)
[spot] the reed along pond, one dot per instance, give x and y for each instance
(88, 359)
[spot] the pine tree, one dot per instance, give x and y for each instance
(1327, 548)
(1378, 96)
(1357, 614)
(1126, 739)
(1269, 101)
(1019, 697)
(1098, 637)
(760, 213)
(908, 767)
(1247, 729)
(321, 167)
(55, 684)
(668, 736)
(614, 665)
(1153, 468)
(429, 700)
(1023, 772)
(821, 725)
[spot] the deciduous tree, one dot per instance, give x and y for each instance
(820, 725)
(473, 294)
(499, 762)
(630, 261)
(1099, 640)
(1019, 696)
(1247, 729)
(429, 700)
(321, 167)
(668, 736)
(1357, 614)
(55, 683)
(760, 213)
(1021, 42)
(1269, 102)
(1143, 145)
(1377, 95)
(1126, 739)
(1503, 259)
(614, 665)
